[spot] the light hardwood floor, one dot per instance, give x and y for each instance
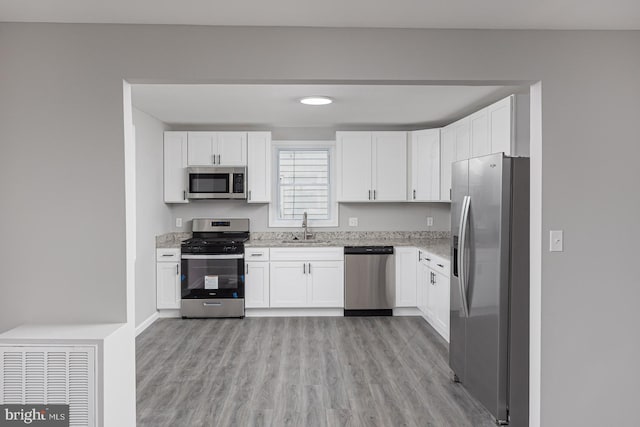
(342, 371)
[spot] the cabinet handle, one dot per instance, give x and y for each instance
(256, 254)
(184, 194)
(374, 194)
(440, 265)
(369, 194)
(249, 194)
(177, 269)
(309, 268)
(419, 256)
(414, 194)
(213, 159)
(167, 254)
(246, 272)
(219, 162)
(428, 259)
(304, 268)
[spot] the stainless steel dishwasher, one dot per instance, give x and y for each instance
(369, 280)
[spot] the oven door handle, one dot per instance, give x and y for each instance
(190, 256)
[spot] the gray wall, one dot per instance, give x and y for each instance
(67, 79)
(381, 216)
(153, 217)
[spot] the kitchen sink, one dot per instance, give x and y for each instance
(298, 241)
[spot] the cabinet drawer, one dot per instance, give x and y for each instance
(440, 265)
(168, 254)
(425, 258)
(307, 254)
(256, 254)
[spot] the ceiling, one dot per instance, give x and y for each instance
(279, 106)
(515, 14)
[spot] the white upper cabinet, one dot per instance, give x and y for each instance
(424, 165)
(447, 157)
(259, 167)
(354, 166)
(175, 162)
(372, 166)
(509, 125)
(390, 166)
(463, 139)
(479, 133)
(232, 149)
(217, 149)
(201, 146)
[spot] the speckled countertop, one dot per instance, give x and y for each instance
(437, 243)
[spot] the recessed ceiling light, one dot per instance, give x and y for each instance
(316, 100)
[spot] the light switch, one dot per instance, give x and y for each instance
(178, 222)
(429, 221)
(353, 222)
(555, 241)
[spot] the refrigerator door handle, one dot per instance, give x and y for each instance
(462, 282)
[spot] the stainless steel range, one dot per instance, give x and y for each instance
(213, 268)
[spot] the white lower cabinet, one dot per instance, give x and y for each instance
(168, 295)
(288, 283)
(325, 284)
(406, 271)
(433, 291)
(318, 284)
(306, 278)
(256, 284)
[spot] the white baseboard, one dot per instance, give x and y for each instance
(146, 323)
(406, 311)
(294, 312)
(169, 313)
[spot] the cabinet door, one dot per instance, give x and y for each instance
(354, 166)
(421, 288)
(500, 125)
(462, 139)
(256, 285)
(406, 275)
(231, 149)
(200, 148)
(431, 298)
(259, 167)
(326, 283)
(447, 157)
(479, 133)
(425, 165)
(175, 162)
(288, 284)
(389, 166)
(168, 285)
(441, 305)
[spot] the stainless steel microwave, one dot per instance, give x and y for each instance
(216, 183)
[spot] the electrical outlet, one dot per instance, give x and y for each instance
(556, 240)
(178, 222)
(353, 222)
(429, 221)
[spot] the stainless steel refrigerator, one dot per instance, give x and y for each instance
(489, 336)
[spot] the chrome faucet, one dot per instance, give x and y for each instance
(306, 234)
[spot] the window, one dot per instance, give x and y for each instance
(303, 183)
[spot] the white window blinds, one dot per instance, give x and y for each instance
(303, 184)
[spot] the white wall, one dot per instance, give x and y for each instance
(153, 217)
(67, 79)
(371, 217)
